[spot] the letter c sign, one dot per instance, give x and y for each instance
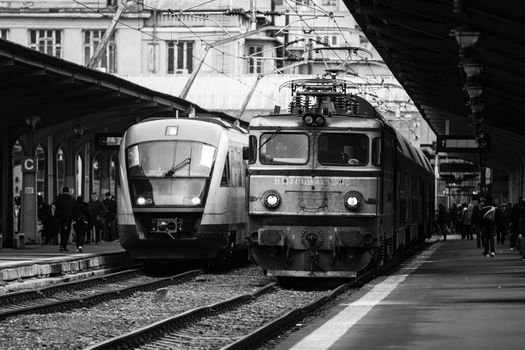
(29, 165)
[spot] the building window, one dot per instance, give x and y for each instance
(254, 65)
(3, 34)
(107, 62)
(46, 41)
(180, 57)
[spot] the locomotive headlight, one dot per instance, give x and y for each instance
(271, 199)
(308, 119)
(319, 120)
(353, 200)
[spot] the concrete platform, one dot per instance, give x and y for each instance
(36, 266)
(449, 297)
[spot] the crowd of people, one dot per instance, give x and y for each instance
(489, 223)
(92, 221)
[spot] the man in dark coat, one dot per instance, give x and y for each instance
(490, 216)
(97, 215)
(80, 216)
(63, 210)
(45, 216)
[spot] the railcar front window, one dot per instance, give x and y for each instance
(343, 149)
(284, 148)
(169, 172)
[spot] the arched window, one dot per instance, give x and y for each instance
(78, 175)
(41, 171)
(95, 168)
(61, 170)
(112, 172)
(18, 155)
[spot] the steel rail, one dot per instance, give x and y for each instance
(97, 298)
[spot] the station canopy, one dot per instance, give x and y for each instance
(459, 60)
(59, 92)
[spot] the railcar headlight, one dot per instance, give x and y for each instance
(195, 201)
(271, 199)
(353, 200)
(144, 201)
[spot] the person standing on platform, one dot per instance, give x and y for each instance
(503, 225)
(63, 210)
(442, 221)
(111, 207)
(520, 210)
(45, 216)
(490, 215)
(514, 224)
(468, 210)
(476, 221)
(80, 216)
(97, 214)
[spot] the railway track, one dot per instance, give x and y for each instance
(242, 322)
(84, 293)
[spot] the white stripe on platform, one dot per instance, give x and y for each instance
(327, 334)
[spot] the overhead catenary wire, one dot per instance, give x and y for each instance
(160, 39)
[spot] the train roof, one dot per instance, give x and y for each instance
(212, 120)
(337, 121)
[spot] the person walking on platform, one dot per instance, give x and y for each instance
(97, 213)
(80, 216)
(442, 220)
(63, 210)
(490, 215)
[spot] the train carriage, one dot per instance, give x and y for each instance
(182, 189)
(332, 187)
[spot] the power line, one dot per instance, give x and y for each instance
(158, 38)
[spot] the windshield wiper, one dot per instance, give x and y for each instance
(177, 167)
(277, 131)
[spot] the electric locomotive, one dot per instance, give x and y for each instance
(182, 190)
(332, 187)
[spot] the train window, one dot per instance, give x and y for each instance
(225, 179)
(252, 149)
(170, 159)
(376, 151)
(343, 149)
(284, 148)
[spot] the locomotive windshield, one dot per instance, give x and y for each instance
(343, 149)
(169, 172)
(284, 148)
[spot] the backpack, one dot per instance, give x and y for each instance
(490, 215)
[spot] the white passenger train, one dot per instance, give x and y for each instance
(182, 189)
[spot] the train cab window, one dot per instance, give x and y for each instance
(284, 148)
(225, 179)
(343, 149)
(376, 151)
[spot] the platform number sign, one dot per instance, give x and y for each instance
(462, 144)
(29, 165)
(108, 141)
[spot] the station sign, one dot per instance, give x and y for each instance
(107, 141)
(462, 144)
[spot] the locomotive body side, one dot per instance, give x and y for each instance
(180, 197)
